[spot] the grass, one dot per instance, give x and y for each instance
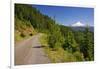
(43, 40)
(23, 30)
(59, 55)
(19, 36)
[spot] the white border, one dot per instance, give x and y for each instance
(55, 3)
(75, 3)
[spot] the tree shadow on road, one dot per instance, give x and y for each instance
(38, 47)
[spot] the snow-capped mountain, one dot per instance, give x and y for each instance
(78, 24)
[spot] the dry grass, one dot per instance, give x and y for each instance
(56, 56)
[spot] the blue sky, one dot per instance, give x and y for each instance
(68, 15)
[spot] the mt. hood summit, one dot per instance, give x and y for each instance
(78, 24)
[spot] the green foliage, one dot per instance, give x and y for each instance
(17, 36)
(22, 35)
(59, 55)
(55, 38)
(39, 21)
(85, 41)
(44, 39)
(23, 29)
(87, 47)
(70, 43)
(79, 56)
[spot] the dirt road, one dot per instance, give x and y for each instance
(30, 51)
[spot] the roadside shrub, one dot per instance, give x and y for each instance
(79, 56)
(31, 34)
(22, 35)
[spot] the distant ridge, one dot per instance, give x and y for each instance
(91, 28)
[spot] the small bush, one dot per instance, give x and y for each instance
(79, 56)
(31, 34)
(22, 35)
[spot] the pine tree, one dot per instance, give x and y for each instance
(87, 47)
(70, 43)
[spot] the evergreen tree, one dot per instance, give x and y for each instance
(87, 47)
(70, 43)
